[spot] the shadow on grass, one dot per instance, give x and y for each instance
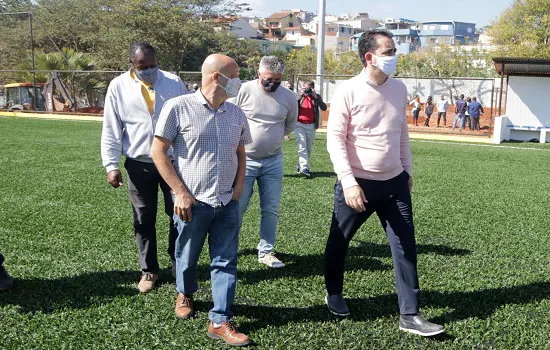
(463, 305)
(314, 174)
(359, 258)
(74, 292)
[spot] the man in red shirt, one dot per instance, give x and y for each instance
(308, 121)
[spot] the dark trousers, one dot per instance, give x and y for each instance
(427, 122)
(391, 200)
(444, 115)
(143, 183)
(475, 123)
(1, 260)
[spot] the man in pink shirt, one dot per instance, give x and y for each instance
(368, 143)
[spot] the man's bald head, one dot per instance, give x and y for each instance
(221, 64)
(217, 72)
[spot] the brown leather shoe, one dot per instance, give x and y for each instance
(184, 306)
(147, 282)
(229, 333)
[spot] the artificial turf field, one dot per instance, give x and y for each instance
(482, 216)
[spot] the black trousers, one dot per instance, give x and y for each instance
(143, 184)
(391, 200)
(1, 260)
(444, 115)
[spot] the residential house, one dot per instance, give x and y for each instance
(338, 37)
(299, 36)
(276, 25)
(238, 26)
(405, 35)
(360, 21)
(450, 33)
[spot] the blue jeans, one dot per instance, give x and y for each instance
(459, 118)
(222, 226)
(269, 174)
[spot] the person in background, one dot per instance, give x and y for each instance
(442, 106)
(428, 109)
(132, 107)
(467, 118)
(195, 87)
(309, 103)
(416, 109)
(208, 136)
(368, 143)
(6, 281)
(460, 110)
(476, 110)
(271, 113)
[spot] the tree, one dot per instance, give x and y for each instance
(523, 30)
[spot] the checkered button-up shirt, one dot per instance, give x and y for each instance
(205, 145)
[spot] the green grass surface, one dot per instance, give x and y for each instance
(482, 222)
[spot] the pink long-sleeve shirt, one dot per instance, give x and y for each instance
(368, 137)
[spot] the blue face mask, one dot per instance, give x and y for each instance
(148, 75)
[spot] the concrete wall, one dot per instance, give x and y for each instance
(527, 103)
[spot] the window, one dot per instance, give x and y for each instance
(444, 27)
(331, 30)
(342, 29)
(432, 27)
(291, 24)
(349, 30)
(274, 24)
(469, 30)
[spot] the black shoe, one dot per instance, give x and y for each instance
(337, 305)
(416, 324)
(6, 282)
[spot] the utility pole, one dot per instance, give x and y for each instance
(321, 45)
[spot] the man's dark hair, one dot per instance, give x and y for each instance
(145, 48)
(311, 83)
(461, 96)
(368, 43)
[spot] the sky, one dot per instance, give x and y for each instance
(480, 12)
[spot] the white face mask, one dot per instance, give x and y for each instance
(232, 87)
(387, 64)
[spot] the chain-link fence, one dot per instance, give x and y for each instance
(79, 92)
(485, 90)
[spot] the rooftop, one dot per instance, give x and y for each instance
(522, 66)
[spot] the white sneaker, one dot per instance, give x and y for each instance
(271, 260)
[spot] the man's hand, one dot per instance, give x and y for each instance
(410, 183)
(355, 198)
(237, 192)
(183, 205)
(114, 177)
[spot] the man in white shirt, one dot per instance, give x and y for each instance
(132, 107)
(442, 106)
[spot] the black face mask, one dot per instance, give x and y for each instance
(270, 86)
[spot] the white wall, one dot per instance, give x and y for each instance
(242, 29)
(527, 103)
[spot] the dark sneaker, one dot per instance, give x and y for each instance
(306, 172)
(416, 324)
(298, 169)
(6, 281)
(229, 333)
(337, 305)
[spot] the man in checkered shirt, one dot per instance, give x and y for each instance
(208, 136)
